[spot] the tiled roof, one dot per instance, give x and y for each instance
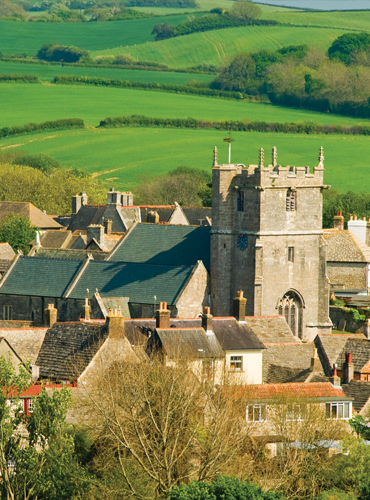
(271, 329)
(39, 277)
(234, 336)
(6, 251)
(50, 253)
(330, 346)
(189, 343)
(88, 214)
(343, 246)
(360, 350)
(139, 282)
(315, 390)
(283, 362)
(198, 215)
(68, 348)
(55, 239)
(165, 245)
(359, 391)
(33, 214)
(26, 342)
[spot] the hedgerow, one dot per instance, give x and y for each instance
(20, 78)
(68, 123)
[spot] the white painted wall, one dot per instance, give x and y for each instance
(252, 365)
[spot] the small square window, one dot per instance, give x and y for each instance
(291, 254)
(256, 413)
(236, 363)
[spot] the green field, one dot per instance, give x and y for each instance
(22, 103)
(124, 157)
(215, 46)
(20, 37)
(46, 73)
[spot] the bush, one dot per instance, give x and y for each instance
(62, 53)
(20, 78)
(344, 46)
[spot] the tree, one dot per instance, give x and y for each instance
(186, 185)
(36, 453)
(18, 232)
(58, 52)
(245, 10)
(224, 488)
(165, 422)
(163, 31)
(345, 45)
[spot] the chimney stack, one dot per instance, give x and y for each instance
(50, 315)
(116, 324)
(239, 306)
(339, 221)
(162, 316)
(114, 197)
(107, 226)
(335, 380)
(78, 200)
(87, 309)
(96, 231)
(127, 199)
(348, 369)
(315, 362)
(207, 320)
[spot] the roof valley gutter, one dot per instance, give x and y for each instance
(77, 278)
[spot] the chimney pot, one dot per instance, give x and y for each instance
(348, 369)
(338, 221)
(162, 319)
(50, 315)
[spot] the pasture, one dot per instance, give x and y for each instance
(22, 37)
(354, 20)
(22, 103)
(124, 157)
(216, 46)
(47, 72)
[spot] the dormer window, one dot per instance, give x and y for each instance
(240, 201)
(290, 201)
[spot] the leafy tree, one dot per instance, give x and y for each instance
(349, 203)
(57, 52)
(239, 75)
(245, 10)
(163, 31)
(224, 488)
(36, 454)
(297, 51)
(186, 185)
(344, 46)
(18, 232)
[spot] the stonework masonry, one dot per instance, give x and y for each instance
(267, 241)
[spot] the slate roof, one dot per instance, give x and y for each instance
(26, 342)
(315, 390)
(197, 214)
(359, 391)
(235, 336)
(271, 329)
(330, 346)
(360, 350)
(6, 251)
(282, 363)
(164, 212)
(88, 214)
(33, 214)
(50, 253)
(68, 348)
(140, 282)
(55, 239)
(40, 277)
(169, 245)
(343, 246)
(189, 343)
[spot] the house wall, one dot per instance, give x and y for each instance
(350, 274)
(178, 217)
(195, 294)
(252, 366)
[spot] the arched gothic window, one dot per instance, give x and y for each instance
(290, 201)
(290, 306)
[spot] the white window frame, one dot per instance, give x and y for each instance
(339, 407)
(295, 411)
(238, 360)
(259, 413)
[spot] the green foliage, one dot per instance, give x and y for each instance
(186, 185)
(336, 494)
(337, 302)
(57, 52)
(224, 488)
(243, 9)
(177, 4)
(19, 78)
(18, 232)
(346, 45)
(357, 316)
(348, 203)
(296, 51)
(360, 426)
(68, 123)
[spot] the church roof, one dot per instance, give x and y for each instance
(169, 245)
(343, 246)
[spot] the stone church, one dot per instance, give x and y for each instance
(267, 241)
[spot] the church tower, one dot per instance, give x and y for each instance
(267, 241)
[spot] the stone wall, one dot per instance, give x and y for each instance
(343, 320)
(195, 294)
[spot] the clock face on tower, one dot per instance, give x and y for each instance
(242, 242)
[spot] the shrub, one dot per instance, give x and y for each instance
(57, 52)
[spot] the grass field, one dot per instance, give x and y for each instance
(47, 73)
(20, 37)
(215, 46)
(124, 157)
(22, 103)
(359, 20)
